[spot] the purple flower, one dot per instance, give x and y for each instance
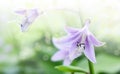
(76, 42)
(30, 16)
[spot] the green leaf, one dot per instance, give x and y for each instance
(70, 69)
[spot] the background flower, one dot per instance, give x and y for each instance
(30, 16)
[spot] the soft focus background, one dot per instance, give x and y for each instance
(30, 52)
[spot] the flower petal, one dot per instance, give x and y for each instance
(85, 28)
(89, 50)
(95, 41)
(73, 54)
(71, 30)
(32, 13)
(22, 12)
(67, 41)
(60, 55)
(67, 61)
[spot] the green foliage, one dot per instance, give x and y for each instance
(71, 69)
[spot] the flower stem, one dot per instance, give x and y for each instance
(91, 67)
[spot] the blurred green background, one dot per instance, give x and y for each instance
(30, 52)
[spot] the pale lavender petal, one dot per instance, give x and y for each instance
(60, 55)
(87, 22)
(89, 51)
(67, 61)
(22, 12)
(67, 41)
(59, 44)
(95, 41)
(73, 54)
(77, 40)
(32, 13)
(71, 30)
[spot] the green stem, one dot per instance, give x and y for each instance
(91, 67)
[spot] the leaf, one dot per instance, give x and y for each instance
(70, 69)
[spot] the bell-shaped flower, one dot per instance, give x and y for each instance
(29, 17)
(76, 42)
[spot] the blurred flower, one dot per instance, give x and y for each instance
(77, 41)
(30, 16)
